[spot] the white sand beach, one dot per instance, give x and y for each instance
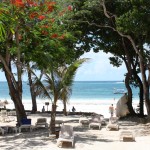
(96, 106)
(85, 138)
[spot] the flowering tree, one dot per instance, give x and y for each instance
(35, 32)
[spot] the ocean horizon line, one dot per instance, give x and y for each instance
(81, 91)
(85, 81)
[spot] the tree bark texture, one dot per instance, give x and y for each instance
(32, 91)
(129, 103)
(53, 116)
(65, 109)
(145, 86)
(141, 102)
(15, 96)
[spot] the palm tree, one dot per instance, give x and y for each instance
(65, 95)
(31, 67)
(67, 74)
(57, 86)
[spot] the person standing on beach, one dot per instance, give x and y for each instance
(73, 109)
(43, 109)
(111, 110)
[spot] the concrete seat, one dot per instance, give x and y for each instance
(127, 136)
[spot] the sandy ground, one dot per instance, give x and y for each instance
(85, 138)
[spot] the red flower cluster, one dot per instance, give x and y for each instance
(44, 26)
(70, 8)
(54, 35)
(33, 15)
(64, 11)
(41, 17)
(51, 6)
(44, 29)
(44, 32)
(31, 3)
(62, 37)
(18, 3)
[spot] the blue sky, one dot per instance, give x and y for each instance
(97, 68)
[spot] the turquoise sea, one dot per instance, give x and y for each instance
(81, 90)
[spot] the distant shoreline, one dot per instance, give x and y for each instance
(88, 107)
(81, 90)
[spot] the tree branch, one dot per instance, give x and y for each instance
(120, 33)
(8, 70)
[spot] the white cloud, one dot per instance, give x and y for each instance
(99, 69)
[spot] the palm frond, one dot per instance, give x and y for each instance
(41, 89)
(2, 31)
(67, 75)
(66, 93)
(71, 71)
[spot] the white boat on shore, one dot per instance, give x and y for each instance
(119, 91)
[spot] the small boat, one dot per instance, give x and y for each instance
(119, 91)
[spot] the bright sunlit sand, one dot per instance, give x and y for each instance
(85, 138)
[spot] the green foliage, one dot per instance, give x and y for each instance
(102, 29)
(2, 31)
(115, 61)
(57, 81)
(39, 38)
(98, 31)
(134, 20)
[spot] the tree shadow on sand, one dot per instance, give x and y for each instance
(82, 136)
(87, 139)
(25, 140)
(80, 129)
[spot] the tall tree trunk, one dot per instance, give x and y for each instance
(32, 91)
(129, 103)
(14, 91)
(18, 64)
(65, 108)
(149, 76)
(53, 116)
(15, 96)
(128, 61)
(141, 103)
(145, 86)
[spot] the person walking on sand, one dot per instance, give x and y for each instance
(111, 110)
